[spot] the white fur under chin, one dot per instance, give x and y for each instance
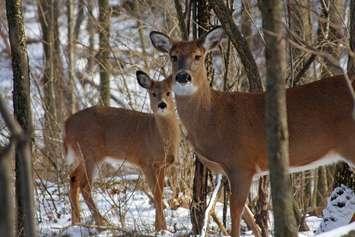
(162, 111)
(184, 89)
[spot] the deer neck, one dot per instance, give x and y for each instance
(194, 110)
(168, 130)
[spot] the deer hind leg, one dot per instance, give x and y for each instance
(86, 190)
(240, 182)
(75, 178)
(155, 179)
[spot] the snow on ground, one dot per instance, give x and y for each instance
(130, 210)
(340, 209)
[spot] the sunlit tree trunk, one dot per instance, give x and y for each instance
(104, 51)
(71, 57)
(276, 118)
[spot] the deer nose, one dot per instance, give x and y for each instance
(183, 77)
(162, 105)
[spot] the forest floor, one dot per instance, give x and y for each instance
(130, 212)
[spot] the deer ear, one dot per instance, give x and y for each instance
(212, 38)
(144, 80)
(160, 41)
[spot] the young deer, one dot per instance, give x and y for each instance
(147, 141)
(228, 129)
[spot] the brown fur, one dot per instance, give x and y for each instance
(228, 129)
(148, 141)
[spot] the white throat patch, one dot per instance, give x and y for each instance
(184, 89)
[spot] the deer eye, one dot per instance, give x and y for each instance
(153, 94)
(173, 58)
(197, 57)
(167, 93)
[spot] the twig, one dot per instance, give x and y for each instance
(218, 222)
(211, 204)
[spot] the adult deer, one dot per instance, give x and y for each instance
(228, 130)
(147, 141)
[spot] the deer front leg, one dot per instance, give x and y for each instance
(155, 178)
(240, 181)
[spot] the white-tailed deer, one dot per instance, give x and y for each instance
(147, 141)
(228, 129)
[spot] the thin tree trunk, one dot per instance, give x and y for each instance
(200, 183)
(91, 30)
(22, 111)
(276, 118)
(181, 19)
(71, 57)
(224, 14)
(51, 131)
(104, 51)
(351, 61)
(330, 32)
(262, 210)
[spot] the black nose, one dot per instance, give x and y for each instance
(183, 77)
(162, 105)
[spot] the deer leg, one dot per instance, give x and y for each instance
(75, 177)
(155, 178)
(240, 181)
(86, 190)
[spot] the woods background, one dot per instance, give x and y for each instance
(83, 53)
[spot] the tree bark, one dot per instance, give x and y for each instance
(181, 19)
(224, 14)
(351, 61)
(104, 51)
(71, 57)
(200, 183)
(262, 210)
(276, 118)
(22, 111)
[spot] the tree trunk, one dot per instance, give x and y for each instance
(262, 210)
(71, 57)
(7, 212)
(200, 183)
(199, 194)
(51, 130)
(104, 51)
(351, 61)
(181, 19)
(330, 32)
(91, 30)
(22, 111)
(224, 14)
(299, 20)
(276, 118)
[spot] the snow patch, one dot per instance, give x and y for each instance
(339, 210)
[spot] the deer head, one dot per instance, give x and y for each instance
(161, 100)
(187, 58)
